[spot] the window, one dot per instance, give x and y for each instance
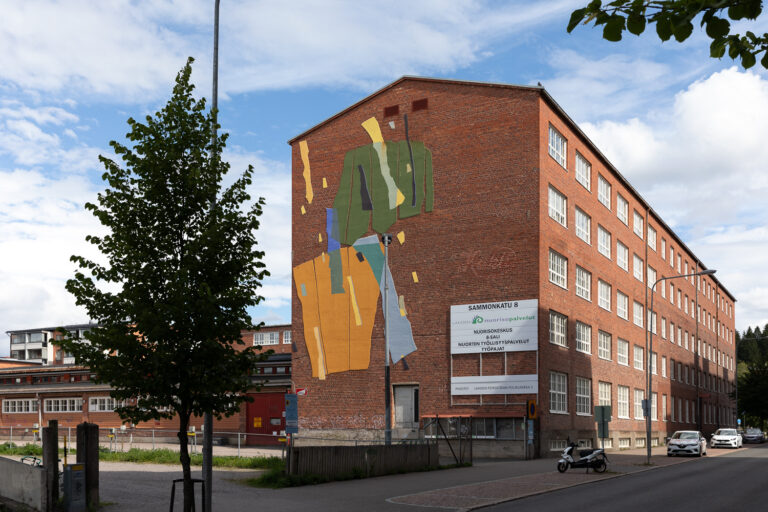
(103, 404)
(603, 345)
(603, 393)
(583, 171)
(558, 269)
(672, 407)
(63, 405)
(266, 338)
(604, 192)
(583, 228)
(637, 225)
(638, 404)
(671, 256)
(622, 393)
(287, 337)
(651, 237)
(558, 392)
(583, 283)
(663, 290)
(652, 321)
(622, 208)
(583, 396)
(557, 206)
(622, 256)
(653, 363)
(654, 406)
(637, 314)
(558, 146)
(19, 405)
(622, 305)
(583, 337)
(603, 294)
(651, 276)
(637, 267)
(638, 359)
(663, 366)
(622, 352)
(679, 263)
(557, 328)
(663, 251)
(603, 241)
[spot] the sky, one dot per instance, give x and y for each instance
(687, 131)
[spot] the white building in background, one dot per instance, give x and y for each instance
(35, 345)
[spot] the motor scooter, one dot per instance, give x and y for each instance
(595, 459)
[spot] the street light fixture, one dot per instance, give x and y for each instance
(648, 396)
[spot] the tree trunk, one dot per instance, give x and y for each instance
(189, 490)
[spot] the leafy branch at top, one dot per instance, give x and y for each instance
(675, 18)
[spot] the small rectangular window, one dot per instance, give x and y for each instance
(604, 295)
(583, 171)
(583, 226)
(622, 208)
(637, 225)
(558, 269)
(583, 337)
(604, 192)
(603, 241)
(583, 283)
(558, 206)
(557, 328)
(603, 346)
(558, 147)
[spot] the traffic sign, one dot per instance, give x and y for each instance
(291, 414)
(531, 410)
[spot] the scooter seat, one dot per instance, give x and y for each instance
(584, 453)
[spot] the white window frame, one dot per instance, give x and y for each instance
(603, 345)
(638, 267)
(583, 171)
(639, 395)
(651, 276)
(558, 206)
(558, 393)
(622, 402)
(622, 352)
(603, 295)
(63, 404)
(637, 313)
(104, 404)
(558, 147)
(622, 256)
(583, 223)
(583, 396)
(287, 337)
(583, 283)
(603, 191)
(558, 269)
(637, 359)
(637, 223)
(622, 305)
(604, 393)
(20, 405)
(266, 338)
(651, 237)
(664, 366)
(583, 337)
(603, 241)
(558, 329)
(622, 209)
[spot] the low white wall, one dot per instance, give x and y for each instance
(22, 483)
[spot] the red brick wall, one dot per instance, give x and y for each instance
(484, 227)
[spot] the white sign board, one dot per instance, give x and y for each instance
(495, 385)
(495, 327)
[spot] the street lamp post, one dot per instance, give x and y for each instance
(649, 387)
(386, 239)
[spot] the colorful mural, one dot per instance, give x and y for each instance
(339, 290)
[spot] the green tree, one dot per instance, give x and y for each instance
(675, 18)
(178, 272)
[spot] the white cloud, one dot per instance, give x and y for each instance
(130, 50)
(701, 165)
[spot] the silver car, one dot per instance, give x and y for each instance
(687, 442)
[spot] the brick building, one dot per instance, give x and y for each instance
(501, 209)
(53, 386)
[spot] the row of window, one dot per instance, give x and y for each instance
(26, 405)
(558, 149)
(271, 338)
(686, 409)
(558, 275)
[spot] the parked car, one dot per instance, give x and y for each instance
(726, 438)
(753, 435)
(687, 442)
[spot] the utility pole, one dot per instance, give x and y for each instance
(386, 239)
(208, 417)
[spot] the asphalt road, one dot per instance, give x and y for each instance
(732, 481)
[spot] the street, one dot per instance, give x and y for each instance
(723, 480)
(728, 481)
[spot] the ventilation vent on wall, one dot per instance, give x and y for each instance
(391, 111)
(422, 104)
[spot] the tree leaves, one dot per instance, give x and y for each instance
(674, 18)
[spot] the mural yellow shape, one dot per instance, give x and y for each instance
(401, 303)
(304, 150)
(415, 277)
(344, 321)
(371, 126)
(303, 210)
(325, 183)
(320, 237)
(401, 237)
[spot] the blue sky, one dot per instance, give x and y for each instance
(687, 131)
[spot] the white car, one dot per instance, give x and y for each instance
(687, 442)
(726, 438)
